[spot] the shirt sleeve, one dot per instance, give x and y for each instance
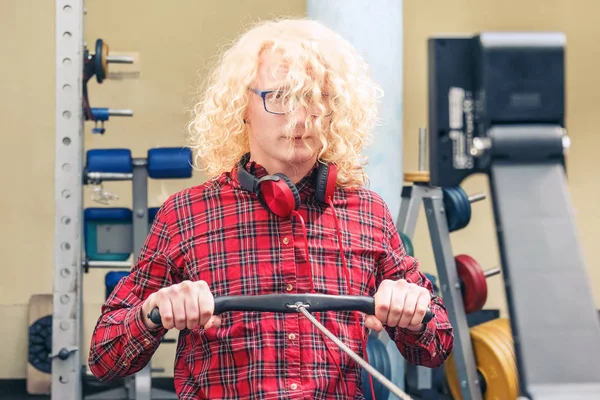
(121, 343)
(433, 345)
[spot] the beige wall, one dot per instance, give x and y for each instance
(173, 43)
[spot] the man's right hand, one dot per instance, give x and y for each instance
(184, 305)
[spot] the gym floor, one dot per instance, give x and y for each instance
(16, 390)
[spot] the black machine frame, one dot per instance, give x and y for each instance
(497, 107)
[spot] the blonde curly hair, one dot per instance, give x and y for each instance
(318, 59)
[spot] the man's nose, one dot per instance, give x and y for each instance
(299, 114)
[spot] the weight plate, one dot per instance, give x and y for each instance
(379, 359)
(408, 246)
(493, 348)
(40, 344)
(473, 283)
(458, 208)
(499, 331)
(100, 61)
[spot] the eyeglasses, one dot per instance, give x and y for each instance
(275, 102)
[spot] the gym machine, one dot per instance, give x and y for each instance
(99, 237)
(497, 107)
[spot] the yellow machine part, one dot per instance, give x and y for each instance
(417, 176)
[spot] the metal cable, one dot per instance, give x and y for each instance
(386, 382)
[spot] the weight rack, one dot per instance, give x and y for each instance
(432, 198)
(74, 67)
(121, 237)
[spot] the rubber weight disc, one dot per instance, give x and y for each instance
(380, 360)
(40, 344)
(100, 60)
(499, 330)
(493, 348)
(408, 246)
(473, 283)
(458, 208)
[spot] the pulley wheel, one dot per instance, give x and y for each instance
(40, 344)
(408, 246)
(493, 348)
(100, 59)
(473, 283)
(458, 208)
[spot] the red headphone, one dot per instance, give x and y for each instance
(278, 194)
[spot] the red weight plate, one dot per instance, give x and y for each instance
(474, 283)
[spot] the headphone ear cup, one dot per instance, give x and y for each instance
(325, 182)
(281, 197)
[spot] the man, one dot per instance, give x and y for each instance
(290, 98)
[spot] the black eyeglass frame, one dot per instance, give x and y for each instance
(264, 93)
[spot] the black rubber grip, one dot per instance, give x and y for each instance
(284, 303)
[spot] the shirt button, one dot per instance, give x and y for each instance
(146, 342)
(293, 386)
(125, 363)
(291, 336)
(286, 240)
(289, 287)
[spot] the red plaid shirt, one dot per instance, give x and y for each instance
(220, 233)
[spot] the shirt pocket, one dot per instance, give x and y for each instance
(360, 264)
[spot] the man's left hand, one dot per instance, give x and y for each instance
(399, 304)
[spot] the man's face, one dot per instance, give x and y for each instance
(269, 142)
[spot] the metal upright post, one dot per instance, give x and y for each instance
(140, 205)
(143, 379)
(417, 377)
(409, 210)
(142, 382)
(451, 293)
(68, 194)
